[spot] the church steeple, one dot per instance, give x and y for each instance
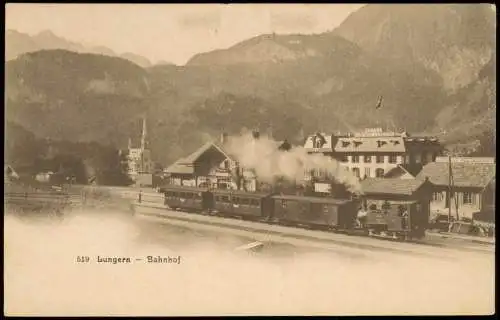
(144, 133)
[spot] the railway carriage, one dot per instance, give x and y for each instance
(243, 204)
(315, 211)
(187, 198)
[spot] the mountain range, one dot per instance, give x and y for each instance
(434, 66)
(18, 43)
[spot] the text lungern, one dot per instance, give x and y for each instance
(113, 260)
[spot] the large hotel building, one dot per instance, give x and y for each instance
(373, 152)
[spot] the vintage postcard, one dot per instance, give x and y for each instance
(249, 159)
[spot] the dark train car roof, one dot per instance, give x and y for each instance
(240, 193)
(312, 199)
(182, 188)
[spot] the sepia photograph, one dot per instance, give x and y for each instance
(249, 159)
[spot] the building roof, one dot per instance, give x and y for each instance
(390, 186)
(327, 145)
(9, 172)
(180, 167)
(312, 199)
(464, 174)
(412, 169)
(366, 141)
(186, 165)
(241, 193)
(370, 144)
(170, 187)
(190, 159)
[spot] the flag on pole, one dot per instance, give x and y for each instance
(379, 102)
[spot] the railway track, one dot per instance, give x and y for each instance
(264, 232)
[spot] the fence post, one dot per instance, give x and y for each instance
(140, 196)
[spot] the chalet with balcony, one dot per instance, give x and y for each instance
(472, 185)
(213, 166)
(372, 153)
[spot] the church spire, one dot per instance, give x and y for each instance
(144, 132)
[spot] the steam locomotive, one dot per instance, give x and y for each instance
(398, 221)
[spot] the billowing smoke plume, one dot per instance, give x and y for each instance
(262, 155)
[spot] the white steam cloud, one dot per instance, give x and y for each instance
(262, 156)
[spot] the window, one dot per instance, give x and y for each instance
(379, 173)
(343, 158)
(283, 203)
(236, 200)
(367, 172)
(325, 208)
(368, 159)
(380, 159)
(226, 164)
(393, 158)
(437, 196)
(245, 201)
(407, 159)
(373, 206)
(254, 202)
(355, 159)
(468, 198)
(356, 172)
(402, 212)
(318, 143)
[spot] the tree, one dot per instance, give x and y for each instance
(113, 168)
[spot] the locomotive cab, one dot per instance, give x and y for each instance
(396, 219)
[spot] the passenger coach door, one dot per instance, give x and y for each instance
(208, 200)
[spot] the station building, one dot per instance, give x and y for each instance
(213, 166)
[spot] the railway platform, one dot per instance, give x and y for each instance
(448, 235)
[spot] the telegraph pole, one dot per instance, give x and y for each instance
(449, 189)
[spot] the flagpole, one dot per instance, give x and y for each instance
(378, 106)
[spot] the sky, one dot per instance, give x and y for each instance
(172, 32)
